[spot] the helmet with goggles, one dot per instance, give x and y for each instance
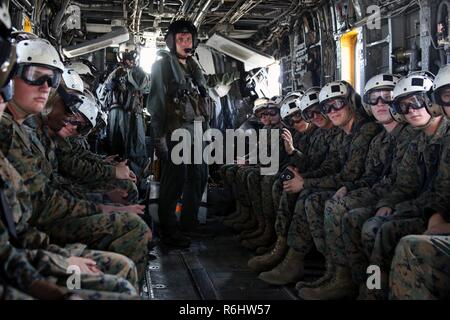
(290, 104)
(308, 100)
(335, 95)
(415, 87)
(259, 104)
(441, 87)
(379, 88)
(88, 110)
(72, 80)
(38, 63)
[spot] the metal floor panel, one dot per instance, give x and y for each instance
(214, 268)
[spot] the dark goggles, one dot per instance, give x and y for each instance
(261, 112)
(83, 127)
(272, 112)
(415, 101)
(441, 96)
(308, 113)
(293, 121)
(71, 102)
(374, 97)
(32, 75)
(335, 104)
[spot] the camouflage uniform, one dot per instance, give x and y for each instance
(65, 218)
(385, 154)
(321, 155)
(85, 175)
(307, 222)
(261, 185)
(421, 268)
(26, 254)
(10, 293)
(408, 198)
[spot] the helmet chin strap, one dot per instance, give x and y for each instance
(18, 107)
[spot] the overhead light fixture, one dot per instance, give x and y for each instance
(117, 36)
(240, 51)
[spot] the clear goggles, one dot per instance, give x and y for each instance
(375, 96)
(413, 101)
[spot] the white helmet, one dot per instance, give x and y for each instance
(414, 82)
(335, 89)
(290, 105)
(259, 104)
(38, 52)
(417, 82)
(276, 100)
(72, 80)
(80, 68)
(441, 82)
(378, 82)
(88, 109)
(310, 98)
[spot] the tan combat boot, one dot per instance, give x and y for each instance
(244, 214)
(235, 214)
(290, 270)
(328, 275)
(339, 287)
(265, 239)
(269, 260)
(256, 232)
(250, 223)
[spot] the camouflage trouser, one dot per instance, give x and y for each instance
(89, 190)
(242, 185)
(10, 293)
(352, 224)
(114, 264)
(277, 192)
(421, 268)
(314, 209)
(124, 233)
(260, 192)
(268, 203)
(307, 227)
(334, 212)
(286, 209)
(228, 173)
(380, 236)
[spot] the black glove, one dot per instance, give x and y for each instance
(161, 150)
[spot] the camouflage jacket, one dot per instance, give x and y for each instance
(75, 165)
(324, 145)
(419, 174)
(351, 155)
(310, 154)
(30, 255)
(385, 154)
(24, 151)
